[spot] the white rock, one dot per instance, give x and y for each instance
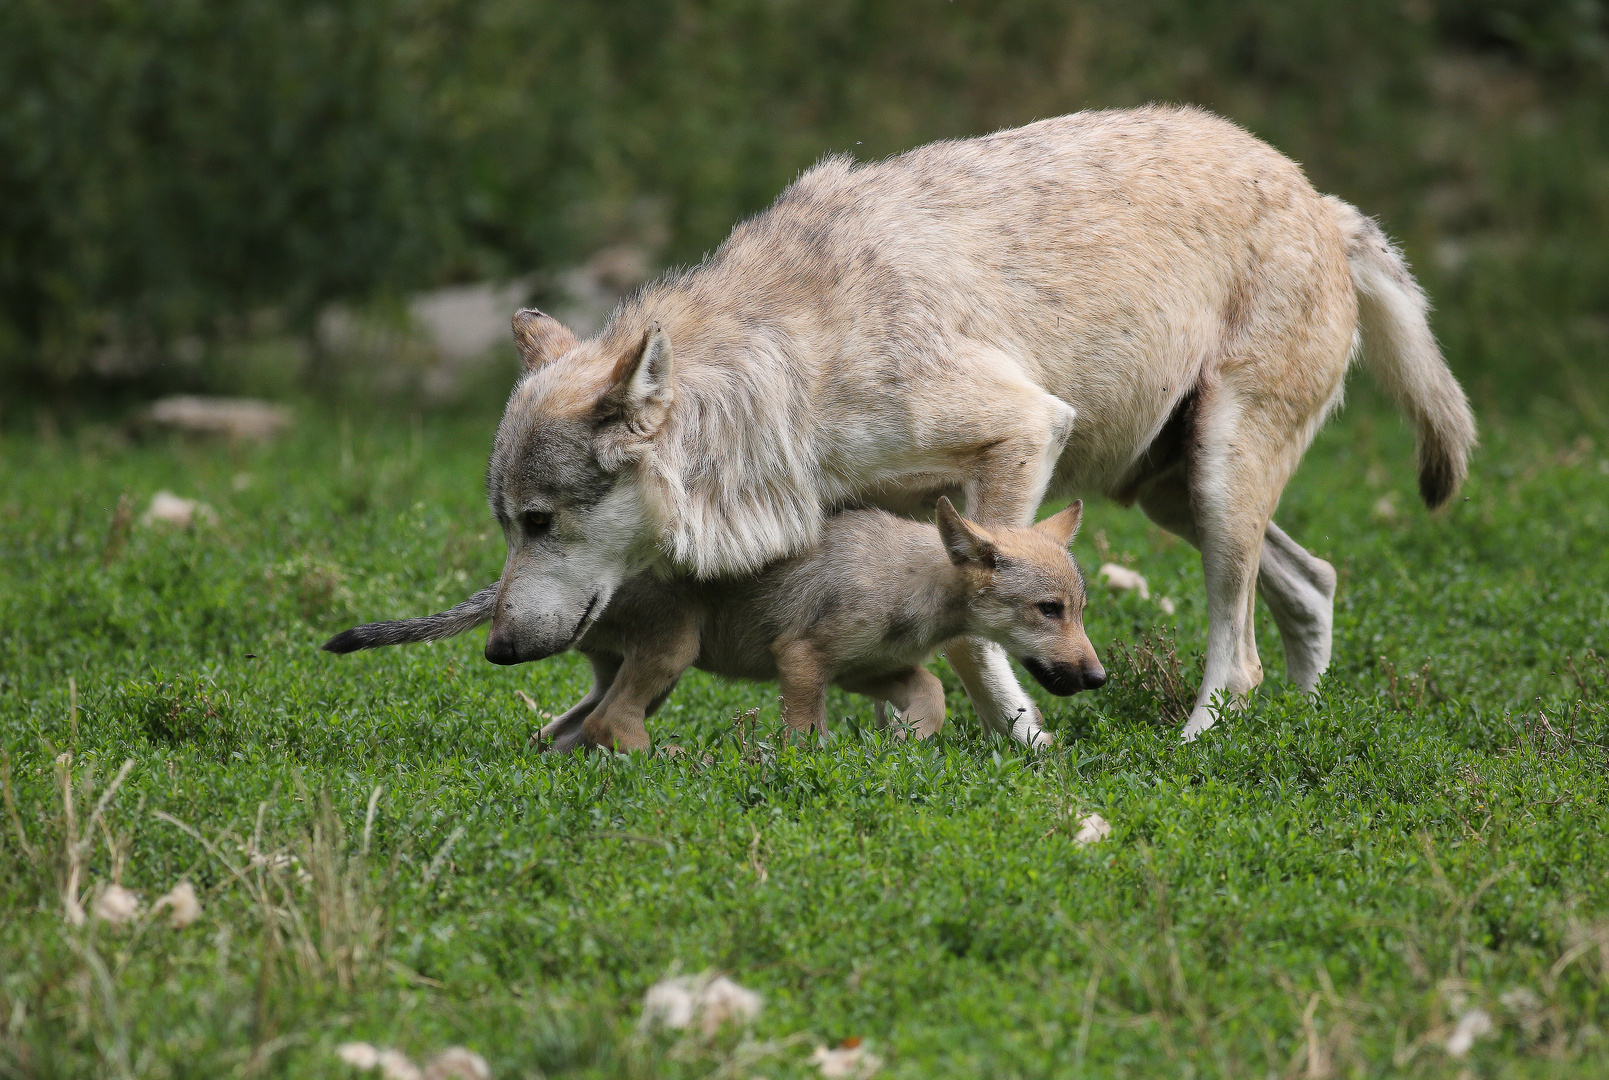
(1092, 829)
(116, 905)
(234, 418)
(170, 509)
(1471, 1026)
(182, 899)
(464, 321)
(359, 1055)
(457, 1063)
(1521, 999)
(845, 1061)
(724, 1000)
(395, 1065)
(1122, 579)
(668, 1004)
(710, 1002)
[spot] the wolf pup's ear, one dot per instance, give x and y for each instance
(1063, 526)
(540, 338)
(965, 542)
(640, 387)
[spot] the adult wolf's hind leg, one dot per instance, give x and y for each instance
(1299, 589)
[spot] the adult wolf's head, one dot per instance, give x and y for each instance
(562, 484)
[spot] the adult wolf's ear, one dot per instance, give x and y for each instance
(965, 542)
(1063, 525)
(540, 338)
(640, 387)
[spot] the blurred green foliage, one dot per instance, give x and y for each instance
(193, 172)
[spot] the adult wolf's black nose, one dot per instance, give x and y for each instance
(500, 650)
(1094, 677)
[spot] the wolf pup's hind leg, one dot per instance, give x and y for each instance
(802, 675)
(919, 696)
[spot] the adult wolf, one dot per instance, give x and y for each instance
(934, 323)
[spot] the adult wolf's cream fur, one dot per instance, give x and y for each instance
(934, 323)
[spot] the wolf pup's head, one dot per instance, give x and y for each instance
(561, 486)
(1026, 593)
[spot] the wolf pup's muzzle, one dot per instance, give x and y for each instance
(1063, 679)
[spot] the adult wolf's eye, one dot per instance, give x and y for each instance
(536, 523)
(1051, 609)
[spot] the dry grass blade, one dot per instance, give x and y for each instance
(28, 850)
(1152, 670)
(76, 845)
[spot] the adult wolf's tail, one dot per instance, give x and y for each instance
(466, 616)
(1401, 353)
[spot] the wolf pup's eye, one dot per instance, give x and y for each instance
(1051, 609)
(536, 523)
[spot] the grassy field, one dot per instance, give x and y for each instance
(1319, 887)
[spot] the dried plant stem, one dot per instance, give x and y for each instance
(28, 849)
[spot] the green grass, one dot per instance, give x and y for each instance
(1318, 887)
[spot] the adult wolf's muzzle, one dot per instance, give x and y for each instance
(519, 640)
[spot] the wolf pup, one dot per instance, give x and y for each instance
(893, 330)
(863, 610)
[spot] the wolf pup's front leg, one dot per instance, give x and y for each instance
(563, 733)
(652, 664)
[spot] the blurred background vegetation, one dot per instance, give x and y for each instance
(182, 182)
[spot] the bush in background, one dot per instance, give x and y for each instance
(175, 176)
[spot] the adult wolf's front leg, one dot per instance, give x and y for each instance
(1009, 474)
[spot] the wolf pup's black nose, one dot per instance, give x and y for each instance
(500, 650)
(1094, 677)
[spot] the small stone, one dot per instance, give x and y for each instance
(359, 1055)
(1471, 1026)
(116, 905)
(395, 1065)
(710, 1002)
(170, 509)
(233, 418)
(1122, 579)
(457, 1063)
(852, 1059)
(186, 908)
(1092, 829)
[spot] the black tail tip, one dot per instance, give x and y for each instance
(1438, 480)
(346, 641)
